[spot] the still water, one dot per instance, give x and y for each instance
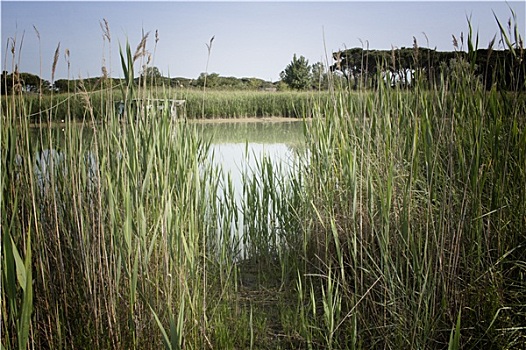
(235, 145)
(238, 148)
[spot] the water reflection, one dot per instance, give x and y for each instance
(288, 132)
(238, 148)
(46, 164)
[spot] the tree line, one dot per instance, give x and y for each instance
(354, 68)
(33, 84)
(504, 69)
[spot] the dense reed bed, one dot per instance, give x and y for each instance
(109, 229)
(217, 104)
(401, 226)
(232, 104)
(419, 225)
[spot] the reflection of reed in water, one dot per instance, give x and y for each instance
(265, 132)
(250, 171)
(48, 165)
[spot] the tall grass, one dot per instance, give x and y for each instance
(418, 232)
(241, 104)
(402, 226)
(218, 104)
(112, 223)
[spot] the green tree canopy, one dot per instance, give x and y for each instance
(297, 74)
(22, 82)
(494, 67)
(63, 85)
(212, 80)
(319, 76)
(152, 72)
(152, 75)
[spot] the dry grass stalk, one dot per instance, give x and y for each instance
(393, 58)
(427, 39)
(455, 42)
(104, 72)
(66, 57)
(415, 49)
(36, 31)
(140, 51)
(105, 29)
(338, 60)
(17, 84)
(85, 96)
(55, 61)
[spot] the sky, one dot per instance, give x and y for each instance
(251, 39)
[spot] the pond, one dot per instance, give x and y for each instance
(236, 149)
(237, 146)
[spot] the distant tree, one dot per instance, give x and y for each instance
(6, 82)
(282, 86)
(230, 83)
(151, 72)
(319, 76)
(62, 85)
(30, 82)
(152, 75)
(253, 83)
(297, 74)
(212, 80)
(23, 82)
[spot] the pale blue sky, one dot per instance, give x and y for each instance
(252, 39)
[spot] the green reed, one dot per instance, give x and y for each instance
(418, 205)
(219, 104)
(242, 104)
(401, 226)
(118, 216)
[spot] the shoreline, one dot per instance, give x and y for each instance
(219, 120)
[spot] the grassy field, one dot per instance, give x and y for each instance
(403, 228)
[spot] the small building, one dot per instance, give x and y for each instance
(177, 108)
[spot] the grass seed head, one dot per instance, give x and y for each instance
(455, 42)
(55, 61)
(105, 29)
(140, 51)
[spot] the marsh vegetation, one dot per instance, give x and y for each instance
(400, 224)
